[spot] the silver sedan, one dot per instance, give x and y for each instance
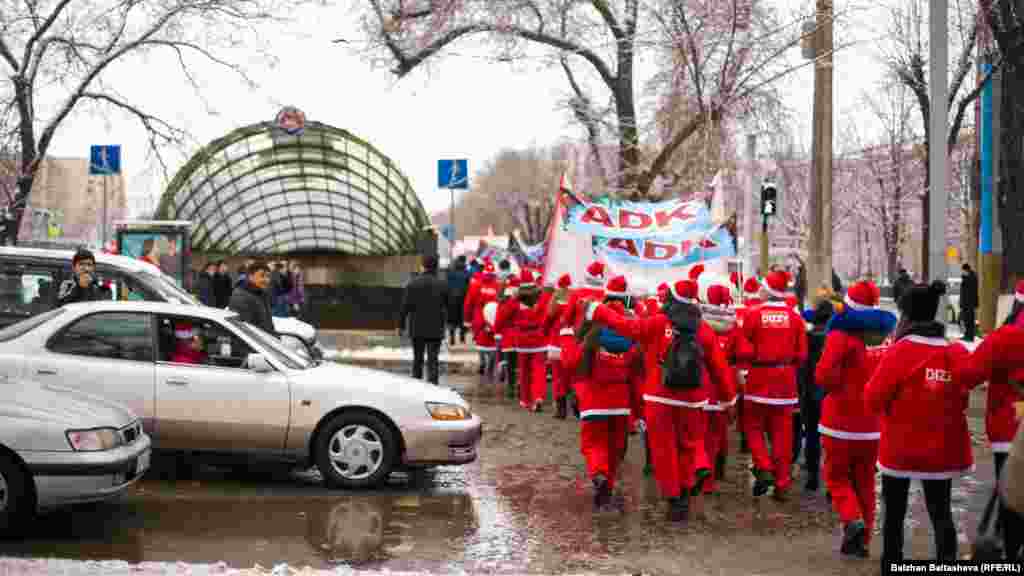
(204, 381)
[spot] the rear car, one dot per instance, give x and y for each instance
(61, 447)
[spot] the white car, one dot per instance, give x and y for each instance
(59, 446)
(205, 381)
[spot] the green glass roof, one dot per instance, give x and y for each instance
(260, 191)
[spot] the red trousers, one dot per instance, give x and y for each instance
(850, 478)
(533, 377)
(716, 441)
(559, 379)
(603, 443)
(777, 422)
(676, 437)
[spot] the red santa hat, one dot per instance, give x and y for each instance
(595, 274)
(719, 295)
(565, 281)
(752, 287)
(863, 295)
(1019, 292)
(183, 331)
(616, 287)
(791, 301)
(526, 279)
(512, 281)
(776, 284)
(489, 268)
(696, 271)
(663, 291)
(685, 291)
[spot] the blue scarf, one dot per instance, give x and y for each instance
(875, 320)
(614, 343)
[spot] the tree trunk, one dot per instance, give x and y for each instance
(926, 218)
(1011, 207)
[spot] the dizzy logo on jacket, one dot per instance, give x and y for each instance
(775, 319)
(937, 375)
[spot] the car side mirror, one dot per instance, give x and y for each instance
(258, 363)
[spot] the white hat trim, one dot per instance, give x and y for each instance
(613, 293)
(183, 334)
(856, 305)
(1019, 297)
(593, 280)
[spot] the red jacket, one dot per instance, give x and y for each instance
(922, 405)
(484, 292)
(552, 326)
(571, 319)
(1000, 354)
(606, 391)
(474, 295)
(655, 335)
(726, 340)
(527, 322)
(773, 340)
(844, 369)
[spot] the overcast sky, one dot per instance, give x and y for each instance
(468, 108)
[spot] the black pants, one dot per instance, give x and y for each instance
(511, 360)
(970, 326)
(433, 347)
(938, 499)
(1011, 524)
(810, 414)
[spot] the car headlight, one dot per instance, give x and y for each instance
(441, 411)
(94, 440)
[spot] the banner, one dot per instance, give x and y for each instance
(635, 220)
(668, 253)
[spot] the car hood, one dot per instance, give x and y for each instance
(294, 326)
(369, 383)
(48, 403)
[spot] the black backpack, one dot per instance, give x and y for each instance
(682, 368)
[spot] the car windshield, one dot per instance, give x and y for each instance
(25, 326)
(169, 289)
(273, 345)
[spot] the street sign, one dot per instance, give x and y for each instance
(769, 199)
(453, 174)
(104, 160)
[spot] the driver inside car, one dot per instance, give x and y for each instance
(189, 347)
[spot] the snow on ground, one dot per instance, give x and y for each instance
(37, 566)
(385, 353)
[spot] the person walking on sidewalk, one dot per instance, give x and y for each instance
(922, 403)
(424, 305)
(458, 287)
(968, 302)
(250, 300)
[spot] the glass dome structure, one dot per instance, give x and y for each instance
(258, 190)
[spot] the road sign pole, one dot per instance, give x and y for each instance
(103, 240)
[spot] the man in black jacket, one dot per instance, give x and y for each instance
(968, 302)
(81, 287)
(425, 304)
(458, 285)
(205, 284)
(222, 285)
(250, 301)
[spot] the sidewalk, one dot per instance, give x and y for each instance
(384, 350)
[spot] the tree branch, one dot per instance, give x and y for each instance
(609, 18)
(42, 29)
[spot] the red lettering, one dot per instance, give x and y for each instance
(634, 220)
(681, 212)
(597, 214)
(685, 247)
(707, 243)
(625, 245)
(651, 251)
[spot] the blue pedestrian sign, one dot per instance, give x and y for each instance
(104, 160)
(453, 174)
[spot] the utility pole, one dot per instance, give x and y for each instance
(748, 209)
(938, 153)
(823, 68)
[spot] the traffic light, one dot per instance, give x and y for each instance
(769, 199)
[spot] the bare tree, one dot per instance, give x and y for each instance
(725, 55)
(908, 63)
(61, 51)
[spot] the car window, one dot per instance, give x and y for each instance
(117, 335)
(189, 340)
(276, 348)
(25, 326)
(169, 288)
(28, 291)
(125, 287)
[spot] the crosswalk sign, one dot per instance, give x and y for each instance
(104, 160)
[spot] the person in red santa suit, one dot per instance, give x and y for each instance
(603, 362)
(559, 372)
(773, 340)
(720, 315)
(526, 315)
(570, 322)
(674, 401)
(1000, 355)
(849, 431)
(505, 336)
(922, 405)
(482, 292)
(189, 345)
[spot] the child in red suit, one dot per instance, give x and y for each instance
(559, 373)
(526, 317)
(189, 347)
(722, 318)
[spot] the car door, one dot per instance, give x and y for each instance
(109, 354)
(206, 397)
(26, 290)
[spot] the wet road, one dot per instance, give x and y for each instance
(524, 507)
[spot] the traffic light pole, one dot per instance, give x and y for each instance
(764, 245)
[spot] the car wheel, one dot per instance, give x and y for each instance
(355, 450)
(14, 495)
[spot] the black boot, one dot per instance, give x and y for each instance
(720, 467)
(702, 475)
(764, 480)
(853, 540)
(602, 492)
(562, 408)
(678, 509)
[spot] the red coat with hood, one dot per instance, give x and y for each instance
(922, 405)
(484, 292)
(527, 322)
(608, 389)
(571, 318)
(726, 337)
(844, 369)
(655, 335)
(998, 356)
(773, 340)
